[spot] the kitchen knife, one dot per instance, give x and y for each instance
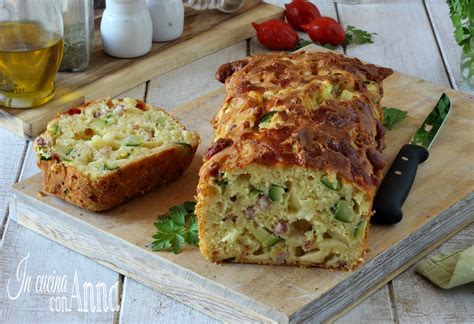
(399, 178)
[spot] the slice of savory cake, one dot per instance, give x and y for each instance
(105, 152)
(297, 158)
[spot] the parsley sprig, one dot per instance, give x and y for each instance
(177, 227)
(302, 43)
(357, 36)
(391, 116)
(354, 35)
(462, 17)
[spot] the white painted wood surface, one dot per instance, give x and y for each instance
(141, 304)
(406, 41)
(191, 80)
(45, 258)
(12, 150)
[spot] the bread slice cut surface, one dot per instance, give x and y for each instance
(107, 151)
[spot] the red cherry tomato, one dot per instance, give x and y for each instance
(276, 35)
(300, 12)
(325, 30)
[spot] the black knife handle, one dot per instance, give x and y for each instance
(397, 184)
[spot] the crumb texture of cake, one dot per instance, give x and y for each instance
(292, 173)
(107, 151)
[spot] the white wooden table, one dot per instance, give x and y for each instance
(414, 37)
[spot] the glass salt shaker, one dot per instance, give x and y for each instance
(168, 15)
(126, 28)
(168, 19)
(227, 6)
(78, 18)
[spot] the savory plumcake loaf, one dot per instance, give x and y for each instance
(107, 151)
(292, 173)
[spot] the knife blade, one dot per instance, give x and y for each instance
(399, 178)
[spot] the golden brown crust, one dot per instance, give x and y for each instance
(333, 135)
(106, 192)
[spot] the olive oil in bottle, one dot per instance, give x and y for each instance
(29, 60)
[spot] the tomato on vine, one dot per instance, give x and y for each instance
(325, 30)
(276, 34)
(300, 12)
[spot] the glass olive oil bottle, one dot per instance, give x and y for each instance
(31, 47)
(27, 69)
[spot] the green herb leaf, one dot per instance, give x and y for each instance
(354, 35)
(178, 215)
(176, 228)
(462, 17)
(222, 179)
(302, 43)
(189, 206)
(391, 116)
(267, 117)
(357, 36)
(177, 243)
(328, 46)
(191, 236)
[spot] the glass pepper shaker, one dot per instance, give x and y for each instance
(78, 17)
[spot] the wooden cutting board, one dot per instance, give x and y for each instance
(204, 32)
(440, 204)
